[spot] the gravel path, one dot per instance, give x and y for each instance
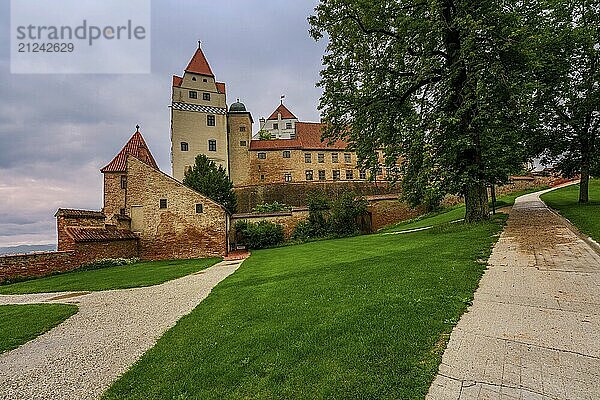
(533, 331)
(81, 357)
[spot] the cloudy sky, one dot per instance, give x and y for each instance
(57, 131)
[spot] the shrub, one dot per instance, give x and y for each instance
(271, 207)
(258, 235)
(345, 213)
(107, 262)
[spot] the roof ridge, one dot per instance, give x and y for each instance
(136, 146)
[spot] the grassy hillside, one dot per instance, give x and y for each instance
(362, 317)
(586, 217)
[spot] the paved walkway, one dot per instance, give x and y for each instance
(533, 331)
(81, 357)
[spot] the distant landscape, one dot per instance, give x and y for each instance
(27, 248)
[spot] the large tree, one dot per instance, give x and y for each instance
(567, 73)
(432, 82)
(212, 181)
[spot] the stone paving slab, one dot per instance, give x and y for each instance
(81, 357)
(533, 331)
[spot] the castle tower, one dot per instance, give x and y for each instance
(115, 174)
(198, 117)
(239, 130)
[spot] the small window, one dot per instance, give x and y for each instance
(243, 143)
(287, 154)
(210, 120)
(187, 169)
(194, 78)
(163, 203)
(199, 209)
(334, 157)
(206, 96)
(321, 157)
(204, 80)
(336, 174)
(123, 181)
(262, 156)
(122, 212)
(184, 146)
(309, 175)
(262, 177)
(363, 174)
(347, 158)
(349, 174)
(193, 94)
(307, 157)
(288, 125)
(242, 129)
(322, 175)
(287, 177)
(273, 136)
(275, 126)
(212, 145)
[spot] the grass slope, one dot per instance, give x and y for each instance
(21, 323)
(454, 213)
(126, 276)
(361, 317)
(586, 217)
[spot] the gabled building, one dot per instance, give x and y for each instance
(291, 152)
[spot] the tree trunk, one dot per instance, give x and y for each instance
(584, 186)
(476, 202)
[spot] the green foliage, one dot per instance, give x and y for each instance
(566, 75)
(327, 218)
(212, 181)
(259, 235)
(365, 317)
(108, 262)
(264, 135)
(345, 214)
(23, 322)
(438, 84)
(134, 275)
(271, 207)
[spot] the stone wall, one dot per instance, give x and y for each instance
(289, 220)
(388, 211)
(176, 231)
(42, 264)
(65, 241)
(295, 194)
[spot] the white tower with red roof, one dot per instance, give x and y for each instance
(198, 117)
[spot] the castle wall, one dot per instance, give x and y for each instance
(176, 231)
(65, 241)
(114, 195)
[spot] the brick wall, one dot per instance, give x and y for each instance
(176, 231)
(289, 220)
(42, 264)
(295, 194)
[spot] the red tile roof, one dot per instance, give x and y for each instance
(136, 146)
(220, 87)
(308, 137)
(94, 234)
(199, 65)
(71, 213)
(177, 80)
(285, 113)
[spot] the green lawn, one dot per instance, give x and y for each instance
(361, 317)
(586, 217)
(21, 323)
(454, 213)
(126, 276)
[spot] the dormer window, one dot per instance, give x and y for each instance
(193, 94)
